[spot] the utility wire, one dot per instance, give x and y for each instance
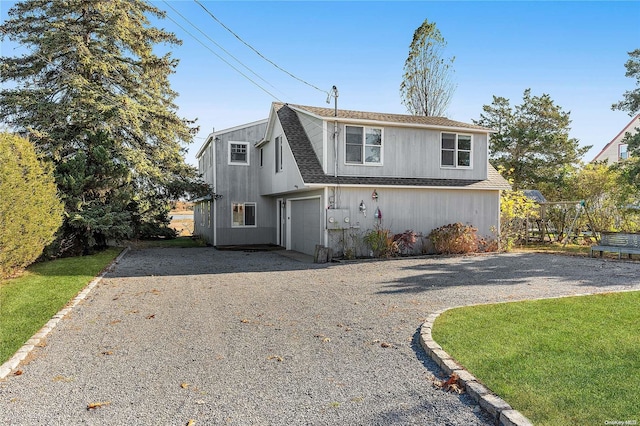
(218, 45)
(258, 53)
(224, 60)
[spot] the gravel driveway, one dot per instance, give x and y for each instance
(220, 337)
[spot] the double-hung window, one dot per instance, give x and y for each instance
(363, 145)
(239, 153)
(243, 215)
(455, 150)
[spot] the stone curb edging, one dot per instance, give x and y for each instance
(500, 411)
(36, 339)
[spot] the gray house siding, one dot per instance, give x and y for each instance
(233, 183)
(420, 210)
(287, 179)
(409, 152)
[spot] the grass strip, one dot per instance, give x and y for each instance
(556, 248)
(560, 362)
(29, 301)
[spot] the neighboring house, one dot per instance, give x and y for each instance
(616, 150)
(305, 177)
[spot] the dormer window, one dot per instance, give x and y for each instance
(363, 145)
(455, 150)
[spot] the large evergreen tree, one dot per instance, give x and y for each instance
(427, 85)
(96, 100)
(532, 142)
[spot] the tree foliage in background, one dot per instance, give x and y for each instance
(631, 104)
(96, 100)
(516, 210)
(631, 98)
(30, 210)
(532, 141)
(606, 197)
(427, 85)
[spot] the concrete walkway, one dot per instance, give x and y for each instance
(174, 335)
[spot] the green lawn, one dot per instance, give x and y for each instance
(570, 361)
(29, 301)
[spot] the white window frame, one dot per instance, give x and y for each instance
(244, 218)
(238, 163)
(456, 150)
(623, 148)
(364, 161)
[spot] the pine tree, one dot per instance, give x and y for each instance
(532, 142)
(96, 100)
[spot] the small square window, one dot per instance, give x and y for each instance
(239, 153)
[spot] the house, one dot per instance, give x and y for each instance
(306, 176)
(616, 150)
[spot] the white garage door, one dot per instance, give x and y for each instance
(306, 225)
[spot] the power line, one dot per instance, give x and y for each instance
(215, 43)
(258, 53)
(223, 60)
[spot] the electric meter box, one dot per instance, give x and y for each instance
(338, 219)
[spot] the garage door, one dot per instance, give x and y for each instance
(306, 223)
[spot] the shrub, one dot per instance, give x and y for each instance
(406, 241)
(381, 242)
(515, 209)
(30, 210)
(454, 238)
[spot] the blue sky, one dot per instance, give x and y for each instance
(573, 51)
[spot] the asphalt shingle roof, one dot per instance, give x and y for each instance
(328, 113)
(312, 172)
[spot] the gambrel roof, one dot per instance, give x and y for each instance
(311, 169)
